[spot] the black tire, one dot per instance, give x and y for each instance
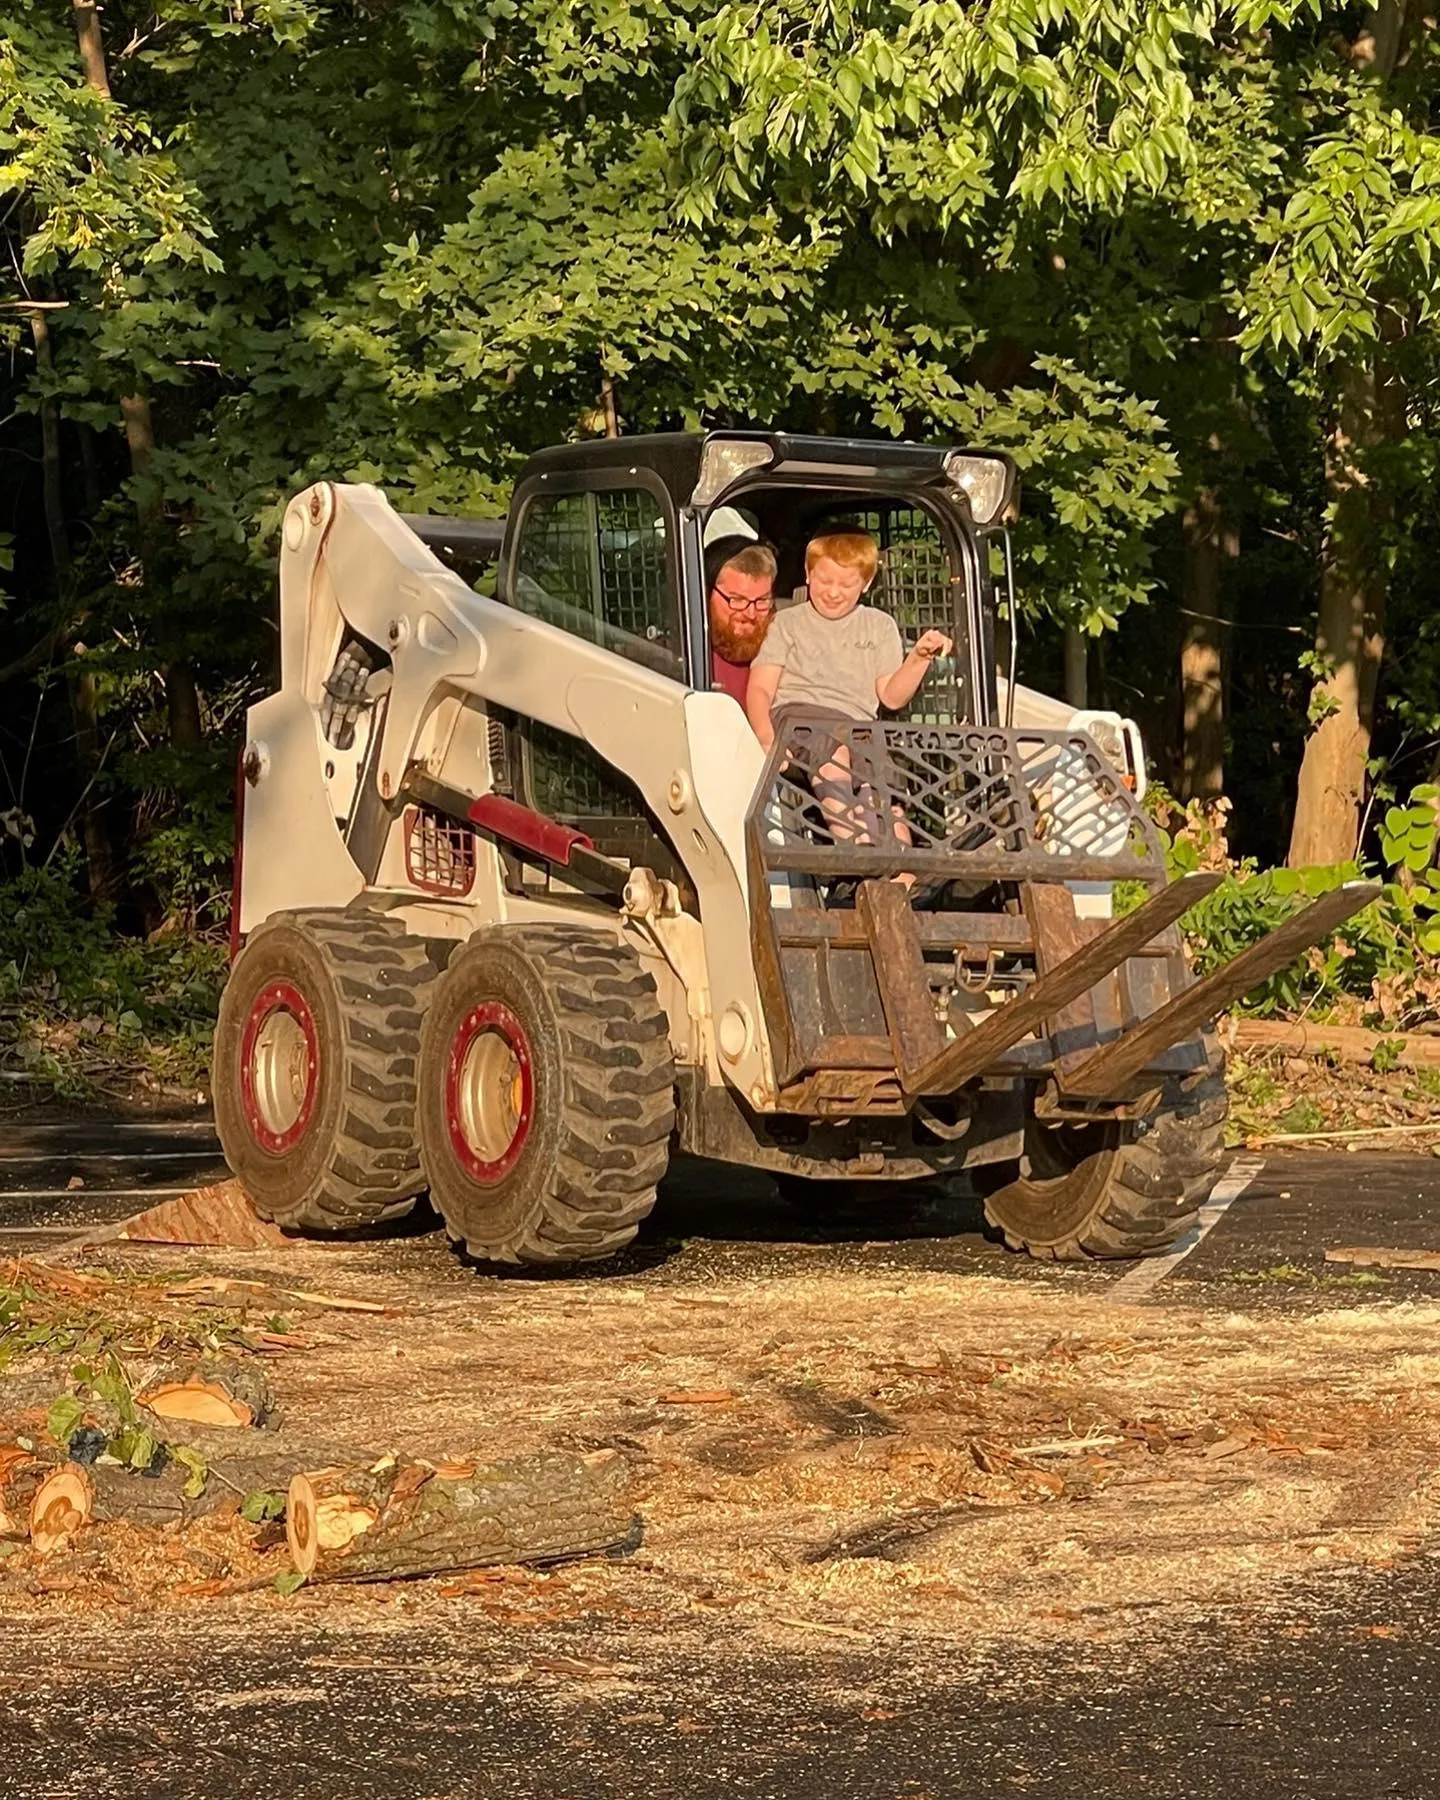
(547, 1095)
(1118, 1190)
(313, 1074)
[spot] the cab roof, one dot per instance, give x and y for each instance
(674, 457)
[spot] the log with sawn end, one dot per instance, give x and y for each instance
(228, 1394)
(66, 1497)
(403, 1518)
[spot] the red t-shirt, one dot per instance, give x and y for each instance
(731, 678)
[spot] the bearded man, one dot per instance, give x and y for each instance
(741, 578)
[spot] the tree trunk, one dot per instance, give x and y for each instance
(401, 1518)
(1077, 667)
(182, 698)
(182, 703)
(92, 45)
(1209, 545)
(1349, 641)
(1350, 638)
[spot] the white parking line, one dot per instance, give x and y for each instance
(1145, 1276)
(93, 1127)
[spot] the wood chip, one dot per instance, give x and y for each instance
(1226, 1446)
(1069, 1446)
(840, 1631)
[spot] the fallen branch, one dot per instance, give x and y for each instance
(1378, 1258)
(1350, 1043)
(1069, 1446)
(222, 1285)
(1315, 1137)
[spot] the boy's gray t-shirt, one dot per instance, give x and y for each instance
(833, 663)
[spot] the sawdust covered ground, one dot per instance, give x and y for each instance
(829, 1457)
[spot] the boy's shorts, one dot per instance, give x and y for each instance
(863, 739)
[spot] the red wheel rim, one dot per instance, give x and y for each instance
(489, 1092)
(279, 1067)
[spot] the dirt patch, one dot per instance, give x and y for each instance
(835, 1456)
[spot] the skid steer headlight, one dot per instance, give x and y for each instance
(723, 461)
(984, 481)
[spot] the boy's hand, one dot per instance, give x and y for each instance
(933, 644)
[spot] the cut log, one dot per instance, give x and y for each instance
(21, 1472)
(112, 1493)
(61, 1505)
(403, 1518)
(225, 1394)
(1349, 1043)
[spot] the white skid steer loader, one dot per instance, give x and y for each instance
(523, 904)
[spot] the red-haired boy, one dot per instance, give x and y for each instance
(836, 660)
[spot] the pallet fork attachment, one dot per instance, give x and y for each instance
(977, 1050)
(1110, 1071)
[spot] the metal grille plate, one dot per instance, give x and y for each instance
(439, 853)
(978, 802)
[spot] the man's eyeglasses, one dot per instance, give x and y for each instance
(737, 603)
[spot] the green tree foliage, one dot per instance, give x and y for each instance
(406, 241)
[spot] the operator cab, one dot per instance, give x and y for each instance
(606, 540)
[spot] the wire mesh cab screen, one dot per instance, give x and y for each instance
(917, 587)
(596, 564)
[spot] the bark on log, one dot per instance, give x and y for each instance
(228, 1395)
(403, 1518)
(220, 1215)
(1350, 1043)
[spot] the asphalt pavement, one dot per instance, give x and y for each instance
(1331, 1691)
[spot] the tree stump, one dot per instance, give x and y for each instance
(402, 1518)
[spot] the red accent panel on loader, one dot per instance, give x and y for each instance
(532, 831)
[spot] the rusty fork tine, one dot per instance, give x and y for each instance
(976, 1050)
(1108, 1073)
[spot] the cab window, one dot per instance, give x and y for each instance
(596, 564)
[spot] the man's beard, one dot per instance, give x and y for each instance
(737, 638)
